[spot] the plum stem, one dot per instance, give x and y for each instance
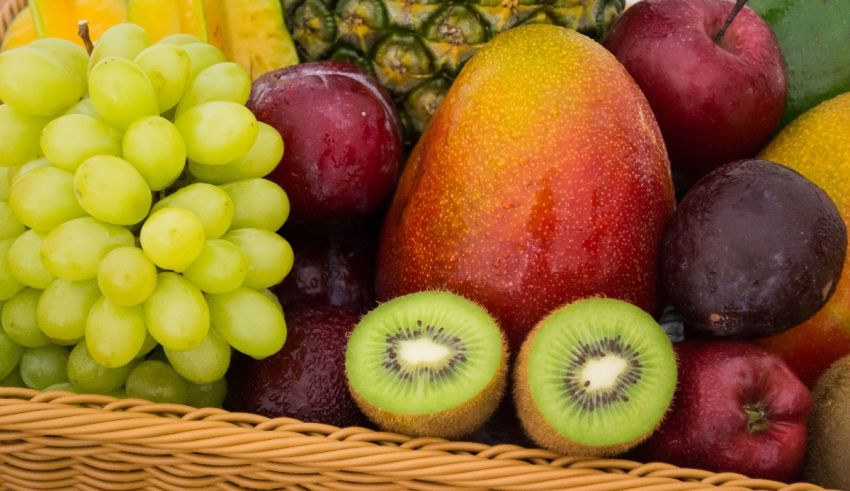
(737, 8)
(83, 32)
(756, 419)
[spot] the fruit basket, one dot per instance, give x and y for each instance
(59, 440)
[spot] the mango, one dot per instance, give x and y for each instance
(60, 18)
(162, 18)
(541, 178)
(817, 146)
(21, 31)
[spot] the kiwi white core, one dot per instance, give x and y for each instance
(422, 351)
(603, 373)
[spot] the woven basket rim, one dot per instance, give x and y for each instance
(44, 436)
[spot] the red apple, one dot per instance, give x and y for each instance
(341, 136)
(737, 408)
(716, 100)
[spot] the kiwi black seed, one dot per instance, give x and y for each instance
(595, 377)
(829, 428)
(427, 364)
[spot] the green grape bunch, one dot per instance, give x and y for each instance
(138, 235)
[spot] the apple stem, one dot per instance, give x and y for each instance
(756, 419)
(83, 32)
(737, 8)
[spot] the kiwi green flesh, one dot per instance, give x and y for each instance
(601, 372)
(423, 353)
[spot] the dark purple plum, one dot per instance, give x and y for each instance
(754, 249)
(341, 134)
(306, 379)
(332, 267)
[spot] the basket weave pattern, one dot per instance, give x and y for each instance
(66, 441)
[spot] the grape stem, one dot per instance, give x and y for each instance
(83, 32)
(737, 8)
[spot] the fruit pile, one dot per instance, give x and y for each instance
(137, 233)
(502, 285)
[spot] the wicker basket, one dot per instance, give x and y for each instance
(68, 441)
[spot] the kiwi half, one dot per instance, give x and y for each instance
(427, 364)
(594, 378)
(829, 428)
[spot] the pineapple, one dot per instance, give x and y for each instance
(416, 47)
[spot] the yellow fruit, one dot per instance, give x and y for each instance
(162, 18)
(59, 18)
(21, 32)
(817, 146)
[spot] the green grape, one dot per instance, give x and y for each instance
(158, 354)
(221, 267)
(121, 92)
(207, 395)
(24, 260)
(73, 251)
(205, 363)
(126, 276)
(155, 381)
(114, 334)
(70, 139)
(89, 376)
(85, 106)
(180, 39)
(122, 41)
(19, 319)
(19, 134)
(73, 57)
(176, 313)
(271, 296)
(10, 355)
(61, 387)
(160, 163)
(43, 198)
(257, 203)
(217, 132)
(172, 238)
(9, 285)
(261, 159)
(112, 190)
(226, 81)
(14, 378)
(202, 55)
(64, 307)
(249, 321)
(26, 168)
(10, 226)
(36, 82)
(168, 67)
(6, 174)
(148, 346)
(44, 366)
(270, 255)
(209, 203)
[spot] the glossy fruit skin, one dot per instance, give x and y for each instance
(714, 103)
(707, 426)
(332, 267)
(542, 178)
(754, 249)
(342, 139)
(306, 379)
(816, 145)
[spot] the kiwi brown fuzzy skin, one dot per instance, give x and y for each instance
(533, 421)
(829, 428)
(453, 423)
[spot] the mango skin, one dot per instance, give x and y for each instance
(816, 146)
(542, 178)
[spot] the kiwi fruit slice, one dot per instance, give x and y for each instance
(427, 364)
(829, 428)
(594, 378)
